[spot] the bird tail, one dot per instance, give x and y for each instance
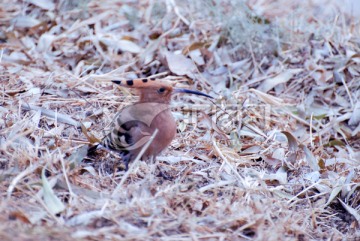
(92, 149)
(126, 157)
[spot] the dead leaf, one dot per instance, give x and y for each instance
(179, 64)
(25, 22)
(283, 77)
(44, 4)
(269, 99)
(123, 45)
(351, 210)
(63, 118)
(293, 143)
(79, 155)
(20, 216)
(196, 56)
(310, 158)
(195, 46)
(212, 125)
(53, 203)
(355, 116)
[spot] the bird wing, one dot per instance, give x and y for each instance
(126, 137)
(131, 128)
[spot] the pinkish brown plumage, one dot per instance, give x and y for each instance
(135, 124)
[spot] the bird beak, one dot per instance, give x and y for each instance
(191, 92)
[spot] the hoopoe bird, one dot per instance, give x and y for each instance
(135, 124)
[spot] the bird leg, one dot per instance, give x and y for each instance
(126, 159)
(161, 173)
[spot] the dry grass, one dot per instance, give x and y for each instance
(276, 157)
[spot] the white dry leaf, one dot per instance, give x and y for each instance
(347, 184)
(217, 185)
(179, 64)
(85, 218)
(354, 154)
(87, 124)
(356, 58)
(310, 158)
(122, 44)
(28, 43)
(196, 56)
(86, 89)
(3, 110)
(351, 210)
(36, 216)
(283, 77)
(25, 22)
(218, 84)
(44, 4)
(317, 110)
(338, 77)
(321, 76)
(342, 101)
(354, 70)
(240, 65)
(182, 126)
(131, 229)
(255, 129)
(126, 45)
(223, 56)
(252, 150)
(322, 186)
(279, 153)
(269, 99)
(15, 69)
(355, 116)
(313, 176)
(63, 118)
(248, 132)
(350, 54)
(340, 118)
(233, 156)
(78, 155)
(83, 234)
(34, 95)
(334, 192)
(147, 56)
(35, 119)
(29, 170)
(282, 194)
(337, 183)
(353, 191)
(16, 57)
(210, 124)
(45, 42)
(280, 176)
(333, 161)
(220, 71)
(27, 81)
(57, 130)
(53, 203)
(277, 136)
(90, 170)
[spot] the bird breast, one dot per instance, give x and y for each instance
(165, 123)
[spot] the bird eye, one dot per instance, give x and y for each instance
(161, 90)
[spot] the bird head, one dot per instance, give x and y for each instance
(156, 90)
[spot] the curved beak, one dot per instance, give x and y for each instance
(195, 92)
